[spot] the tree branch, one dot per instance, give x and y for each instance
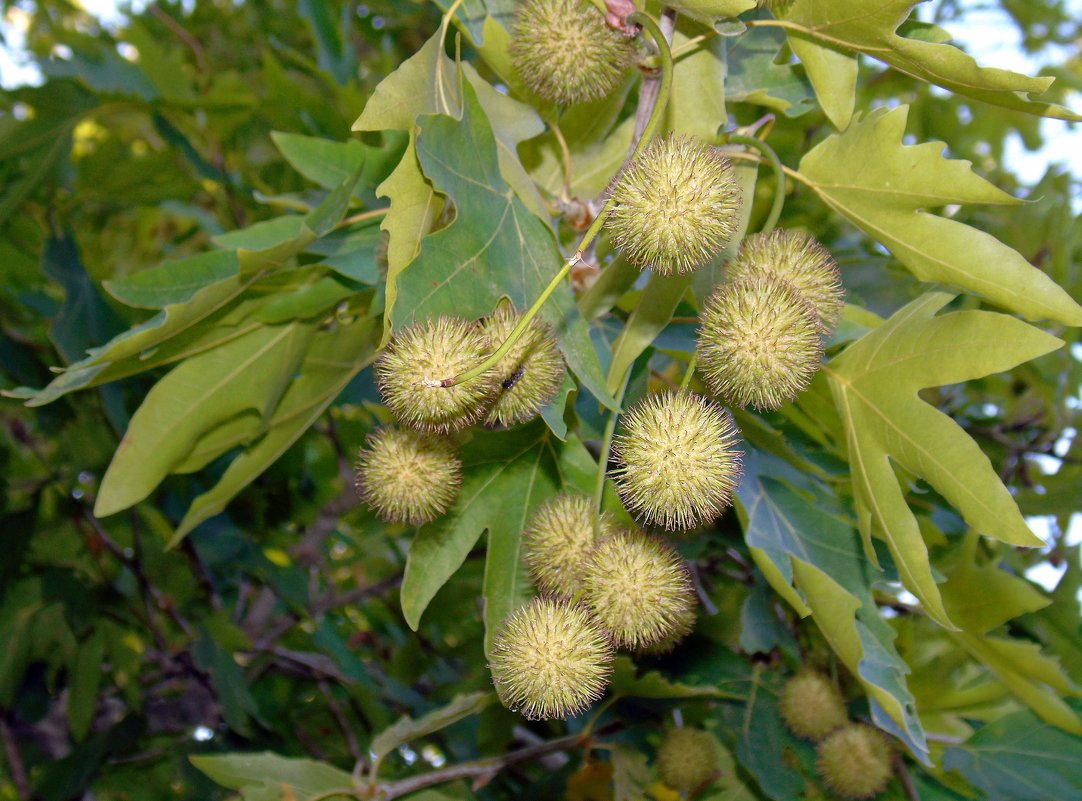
(14, 758)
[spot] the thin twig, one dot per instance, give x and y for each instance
(343, 722)
(904, 777)
(482, 767)
(192, 43)
(651, 84)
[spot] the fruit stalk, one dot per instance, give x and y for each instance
(647, 23)
(779, 174)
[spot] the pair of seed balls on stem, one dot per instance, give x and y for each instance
(411, 474)
(854, 759)
(600, 590)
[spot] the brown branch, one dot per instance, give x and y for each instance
(904, 777)
(343, 722)
(192, 43)
(482, 767)
(14, 758)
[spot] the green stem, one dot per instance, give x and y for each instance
(651, 27)
(691, 371)
(779, 174)
(603, 455)
(665, 89)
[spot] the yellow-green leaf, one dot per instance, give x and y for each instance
(884, 187)
(875, 383)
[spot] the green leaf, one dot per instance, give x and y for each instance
(875, 384)
(754, 76)
(407, 729)
(243, 379)
(496, 467)
(506, 585)
(335, 356)
(174, 282)
(630, 773)
(708, 11)
(697, 104)
(1019, 758)
(872, 30)
(761, 737)
(494, 247)
(810, 544)
(303, 778)
(322, 161)
(86, 675)
(833, 74)
(867, 175)
(626, 682)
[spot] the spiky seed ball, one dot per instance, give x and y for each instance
(684, 626)
(638, 588)
(675, 206)
(426, 353)
(531, 372)
(798, 258)
(407, 476)
(759, 343)
(550, 660)
(811, 705)
(557, 540)
(565, 52)
(687, 758)
(855, 761)
(678, 461)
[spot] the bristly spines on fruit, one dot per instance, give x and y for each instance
(855, 761)
(811, 705)
(550, 660)
(687, 758)
(760, 342)
(529, 374)
(557, 540)
(407, 476)
(419, 357)
(565, 52)
(638, 588)
(678, 460)
(796, 257)
(675, 206)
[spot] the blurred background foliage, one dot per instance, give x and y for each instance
(276, 625)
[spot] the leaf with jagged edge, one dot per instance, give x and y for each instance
(875, 382)
(983, 597)
(809, 552)
(867, 175)
(871, 28)
(495, 247)
(429, 82)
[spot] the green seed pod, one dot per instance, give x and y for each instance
(687, 759)
(419, 357)
(684, 626)
(550, 660)
(760, 342)
(531, 372)
(557, 540)
(638, 588)
(811, 705)
(678, 461)
(798, 258)
(675, 206)
(407, 476)
(855, 761)
(565, 52)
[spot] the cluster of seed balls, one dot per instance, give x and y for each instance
(854, 759)
(672, 209)
(410, 473)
